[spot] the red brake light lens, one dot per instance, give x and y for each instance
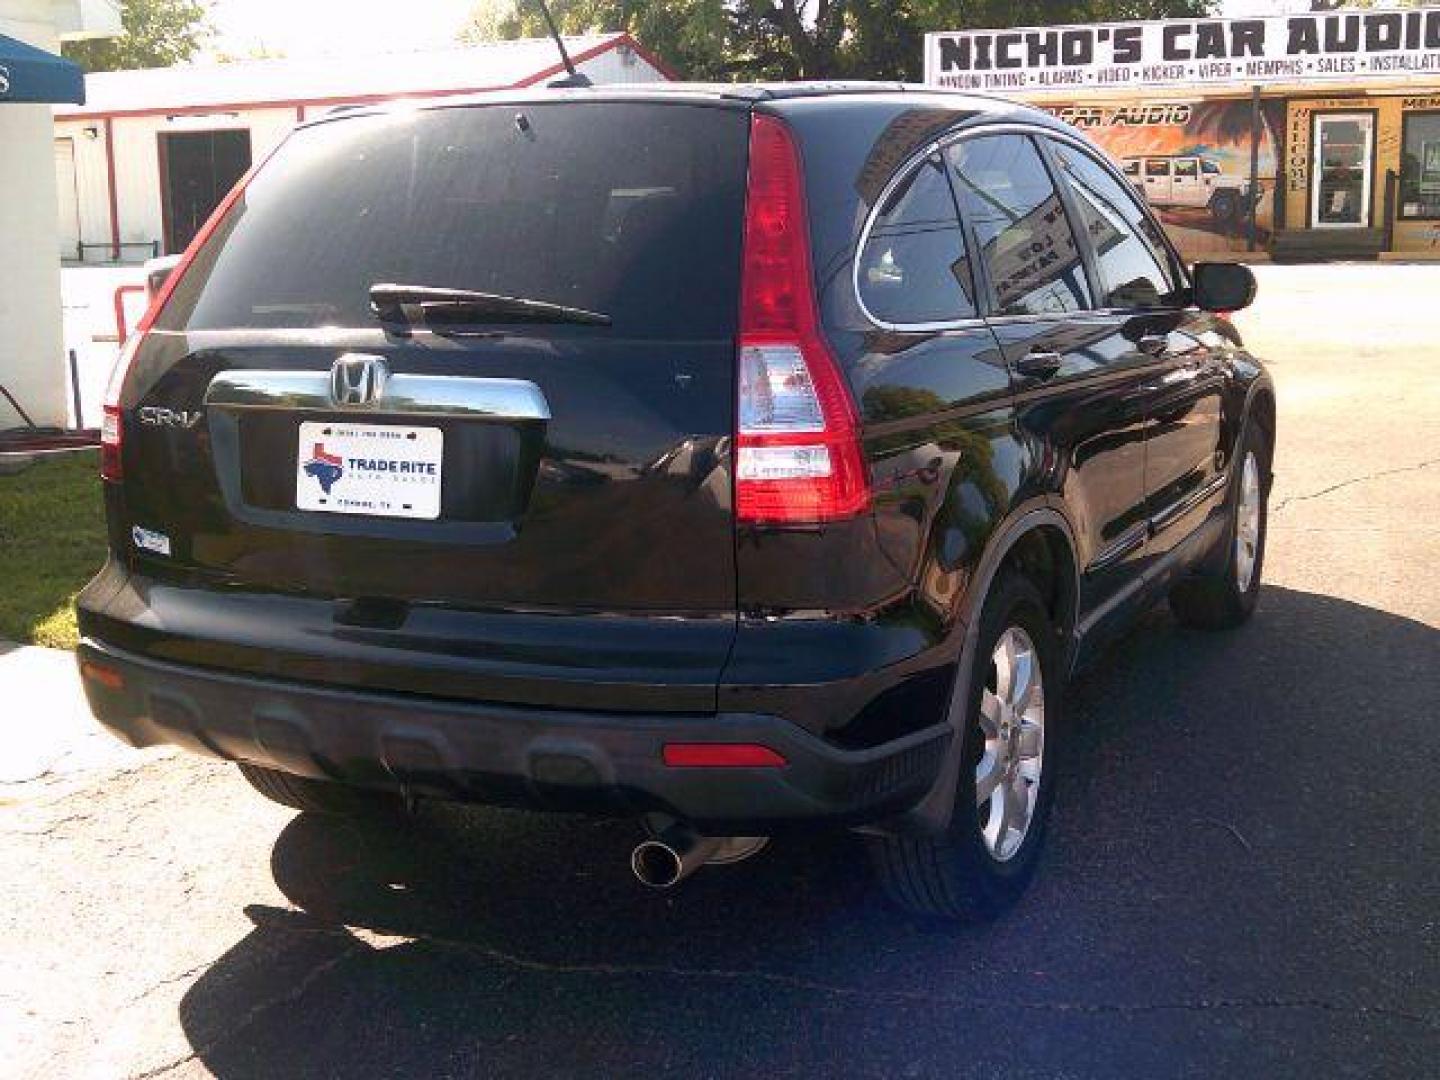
(798, 456)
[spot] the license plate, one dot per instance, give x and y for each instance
(380, 469)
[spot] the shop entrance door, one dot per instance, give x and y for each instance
(1340, 170)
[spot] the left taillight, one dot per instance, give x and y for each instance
(112, 428)
(797, 434)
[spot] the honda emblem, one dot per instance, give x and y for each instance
(357, 380)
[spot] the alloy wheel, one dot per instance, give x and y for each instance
(1247, 524)
(1012, 722)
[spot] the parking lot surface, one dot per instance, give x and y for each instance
(1243, 876)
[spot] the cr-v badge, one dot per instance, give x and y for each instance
(180, 418)
(357, 379)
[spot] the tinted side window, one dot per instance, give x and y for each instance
(1020, 224)
(1186, 167)
(1133, 261)
(1156, 167)
(913, 268)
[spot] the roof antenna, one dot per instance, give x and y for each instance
(575, 78)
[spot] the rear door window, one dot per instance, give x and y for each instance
(1025, 238)
(1134, 264)
(630, 209)
(913, 267)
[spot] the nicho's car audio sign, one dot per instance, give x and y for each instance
(1199, 52)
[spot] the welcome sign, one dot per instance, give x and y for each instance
(1189, 52)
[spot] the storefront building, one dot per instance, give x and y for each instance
(1298, 136)
(32, 79)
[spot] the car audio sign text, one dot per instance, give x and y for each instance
(1175, 52)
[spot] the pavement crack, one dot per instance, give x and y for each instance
(1380, 475)
(244, 1020)
(161, 1070)
(169, 980)
(894, 996)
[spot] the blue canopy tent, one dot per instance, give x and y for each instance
(28, 74)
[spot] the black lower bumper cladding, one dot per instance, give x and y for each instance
(610, 763)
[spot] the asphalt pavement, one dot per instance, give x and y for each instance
(1243, 876)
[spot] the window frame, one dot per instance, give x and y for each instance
(1176, 265)
(903, 175)
(1087, 264)
(1405, 119)
(1039, 134)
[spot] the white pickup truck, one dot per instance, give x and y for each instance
(1168, 180)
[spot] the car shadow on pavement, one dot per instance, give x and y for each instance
(1202, 851)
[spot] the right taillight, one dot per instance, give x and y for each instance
(798, 456)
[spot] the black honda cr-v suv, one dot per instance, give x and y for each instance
(741, 459)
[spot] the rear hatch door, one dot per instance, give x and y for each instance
(569, 456)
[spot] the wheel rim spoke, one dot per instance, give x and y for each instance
(988, 775)
(1017, 798)
(1004, 661)
(989, 715)
(1031, 736)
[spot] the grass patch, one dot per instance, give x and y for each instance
(52, 540)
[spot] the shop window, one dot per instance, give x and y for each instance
(1420, 168)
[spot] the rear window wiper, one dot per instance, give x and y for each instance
(423, 304)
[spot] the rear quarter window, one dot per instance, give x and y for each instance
(631, 209)
(913, 267)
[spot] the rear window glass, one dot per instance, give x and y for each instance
(629, 209)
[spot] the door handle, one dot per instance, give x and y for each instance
(1153, 344)
(1039, 363)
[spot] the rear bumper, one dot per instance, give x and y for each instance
(545, 758)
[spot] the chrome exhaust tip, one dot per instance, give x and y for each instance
(675, 853)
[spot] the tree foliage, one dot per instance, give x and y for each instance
(689, 35)
(884, 39)
(155, 33)
(800, 39)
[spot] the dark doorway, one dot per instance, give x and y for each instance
(197, 170)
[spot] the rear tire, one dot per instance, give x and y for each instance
(314, 796)
(980, 866)
(1224, 593)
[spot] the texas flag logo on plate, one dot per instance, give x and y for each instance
(326, 468)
